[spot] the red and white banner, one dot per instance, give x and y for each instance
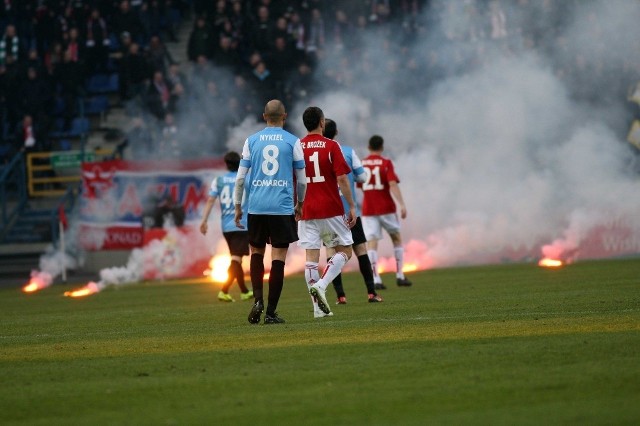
(116, 194)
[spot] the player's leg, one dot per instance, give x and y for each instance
(366, 271)
(335, 233)
(364, 263)
(239, 248)
(337, 281)
(373, 233)
(258, 236)
(392, 226)
(282, 232)
(309, 240)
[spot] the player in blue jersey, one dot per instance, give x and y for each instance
(273, 157)
(237, 238)
(357, 232)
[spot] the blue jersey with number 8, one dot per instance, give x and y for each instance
(271, 155)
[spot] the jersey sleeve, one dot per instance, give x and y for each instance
(213, 189)
(356, 165)
(245, 161)
(298, 155)
(391, 173)
(340, 166)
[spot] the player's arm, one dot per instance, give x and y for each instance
(394, 188)
(345, 188)
(238, 192)
(205, 216)
(358, 170)
(301, 179)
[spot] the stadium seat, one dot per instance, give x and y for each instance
(63, 145)
(100, 84)
(79, 126)
(95, 105)
(58, 106)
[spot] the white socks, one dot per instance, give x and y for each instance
(398, 252)
(334, 266)
(373, 258)
(312, 276)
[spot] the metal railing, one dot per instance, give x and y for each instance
(50, 173)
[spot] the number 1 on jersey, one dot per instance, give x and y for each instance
(317, 176)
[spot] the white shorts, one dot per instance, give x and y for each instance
(332, 231)
(373, 225)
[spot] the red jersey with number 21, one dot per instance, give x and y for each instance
(324, 162)
(377, 198)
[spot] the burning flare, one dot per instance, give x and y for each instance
(38, 281)
(218, 268)
(550, 263)
(90, 288)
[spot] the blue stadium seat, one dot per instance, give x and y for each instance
(95, 105)
(63, 145)
(79, 126)
(99, 84)
(58, 106)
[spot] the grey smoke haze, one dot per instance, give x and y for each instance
(501, 144)
(505, 154)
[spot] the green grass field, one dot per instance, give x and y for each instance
(509, 344)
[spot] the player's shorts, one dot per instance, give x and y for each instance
(277, 230)
(238, 242)
(357, 233)
(373, 225)
(332, 231)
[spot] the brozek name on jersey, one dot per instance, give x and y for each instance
(269, 182)
(313, 144)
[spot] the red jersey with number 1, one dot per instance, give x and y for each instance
(324, 163)
(377, 198)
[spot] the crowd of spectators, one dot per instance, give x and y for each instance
(48, 50)
(240, 53)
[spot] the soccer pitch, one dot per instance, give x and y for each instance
(508, 344)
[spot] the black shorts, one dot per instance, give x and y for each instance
(238, 242)
(277, 230)
(357, 233)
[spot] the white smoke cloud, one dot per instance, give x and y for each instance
(509, 154)
(506, 150)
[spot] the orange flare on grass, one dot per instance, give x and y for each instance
(550, 263)
(218, 271)
(87, 290)
(36, 283)
(218, 268)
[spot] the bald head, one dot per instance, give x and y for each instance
(274, 112)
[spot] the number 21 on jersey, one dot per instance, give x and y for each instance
(373, 180)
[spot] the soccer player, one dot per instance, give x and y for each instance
(237, 238)
(357, 232)
(379, 209)
(323, 218)
(273, 155)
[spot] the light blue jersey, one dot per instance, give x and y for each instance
(271, 155)
(222, 188)
(356, 170)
